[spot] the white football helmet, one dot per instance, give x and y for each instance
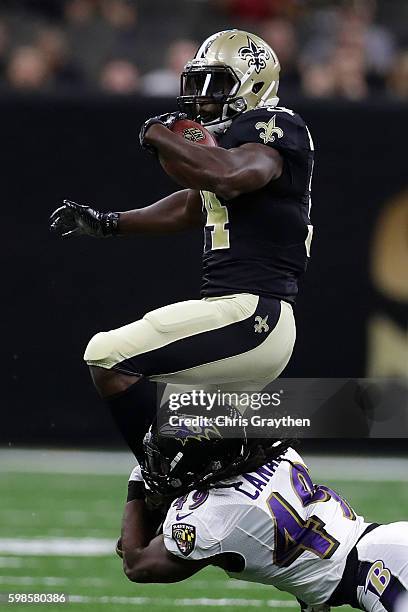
(234, 70)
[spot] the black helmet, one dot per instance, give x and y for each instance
(178, 459)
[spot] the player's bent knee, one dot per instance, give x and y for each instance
(99, 350)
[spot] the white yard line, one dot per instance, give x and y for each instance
(31, 580)
(240, 585)
(65, 461)
(111, 463)
(60, 547)
(55, 581)
(236, 585)
(11, 562)
(185, 602)
(364, 469)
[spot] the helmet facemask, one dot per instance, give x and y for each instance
(205, 85)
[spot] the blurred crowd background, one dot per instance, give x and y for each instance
(348, 49)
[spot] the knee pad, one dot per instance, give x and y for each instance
(183, 316)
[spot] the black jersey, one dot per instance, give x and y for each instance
(259, 242)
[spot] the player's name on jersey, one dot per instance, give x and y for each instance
(256, 420)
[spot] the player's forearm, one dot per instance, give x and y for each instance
(142, 550)
(227, 173)
(138, 529)
(165, 216)
(194, 166)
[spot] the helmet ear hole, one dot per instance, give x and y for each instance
(257, 87)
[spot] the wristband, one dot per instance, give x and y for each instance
(110, 223)
(136, 490)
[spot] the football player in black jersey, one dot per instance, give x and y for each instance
(252, 196)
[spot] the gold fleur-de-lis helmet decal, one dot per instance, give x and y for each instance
(255, 55)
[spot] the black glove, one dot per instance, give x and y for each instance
(73, 219)
(168, 120)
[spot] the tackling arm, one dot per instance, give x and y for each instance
(227, 173)
(146, 559)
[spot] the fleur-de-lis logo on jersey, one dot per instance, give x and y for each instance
(254, 55)
(261, 324)
(269, 130)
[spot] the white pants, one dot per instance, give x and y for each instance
(384, 557)
(239, 339)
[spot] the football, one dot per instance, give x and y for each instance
(194, 132)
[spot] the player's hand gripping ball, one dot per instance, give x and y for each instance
(192, 132)
(167, 120)
(179, 124)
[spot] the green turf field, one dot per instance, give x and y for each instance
(47, 505)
